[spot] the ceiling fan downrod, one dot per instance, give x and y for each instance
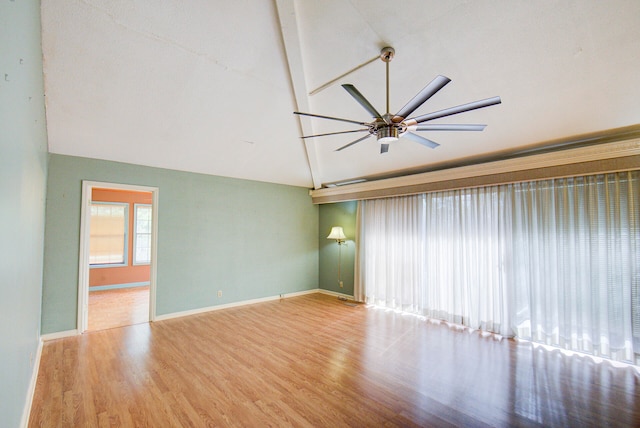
(388, 132)
(386, 55)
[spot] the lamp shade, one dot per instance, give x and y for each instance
(337, 233)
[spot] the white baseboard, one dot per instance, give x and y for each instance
(59, 335)
(26, 412)
(335, 293)
(118, 286)
(68, 333)
(231, 305)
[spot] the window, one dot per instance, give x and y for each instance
(142, 234)
(108, 235)
(552, 261)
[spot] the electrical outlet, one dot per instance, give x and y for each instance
(31, 359)
(219, 293)
(341, 284)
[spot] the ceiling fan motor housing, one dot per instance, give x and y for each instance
(387, 134)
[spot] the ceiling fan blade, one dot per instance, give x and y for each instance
(421, 140)
(454, 110)
(353, 142)
(439, 127)
(335, 133)
(384, 148)
(362, 101)
(427, 92)
(330, 118)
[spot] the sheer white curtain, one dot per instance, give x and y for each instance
(554, 261)
(391, 234)
(467, 239)
(577, 263)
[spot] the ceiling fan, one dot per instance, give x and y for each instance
(389, 128)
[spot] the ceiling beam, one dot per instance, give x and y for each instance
(293, 51)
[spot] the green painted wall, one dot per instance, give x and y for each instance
(338, 214)
(23, 172)
(246, 238)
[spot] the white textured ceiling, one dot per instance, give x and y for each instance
(210, 86)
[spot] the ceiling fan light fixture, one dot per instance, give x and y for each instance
(387, 135)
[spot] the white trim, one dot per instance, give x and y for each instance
(118, 286)
(291, 37)
(26, 412)
(59, 335)
(336, 294)
(558, 158)
(83, 259)
(232, 305)
(135, 234)
(153, 274)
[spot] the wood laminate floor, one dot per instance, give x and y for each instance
(313, 361)
(118, 307)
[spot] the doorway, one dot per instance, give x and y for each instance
(117, 255)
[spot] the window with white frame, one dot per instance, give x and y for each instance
(142, 234)
(108, 234)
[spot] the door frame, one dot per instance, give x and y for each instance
(85, 227)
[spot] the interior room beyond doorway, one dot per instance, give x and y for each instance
(119, 258)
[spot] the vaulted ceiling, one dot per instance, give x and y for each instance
(211, 86)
